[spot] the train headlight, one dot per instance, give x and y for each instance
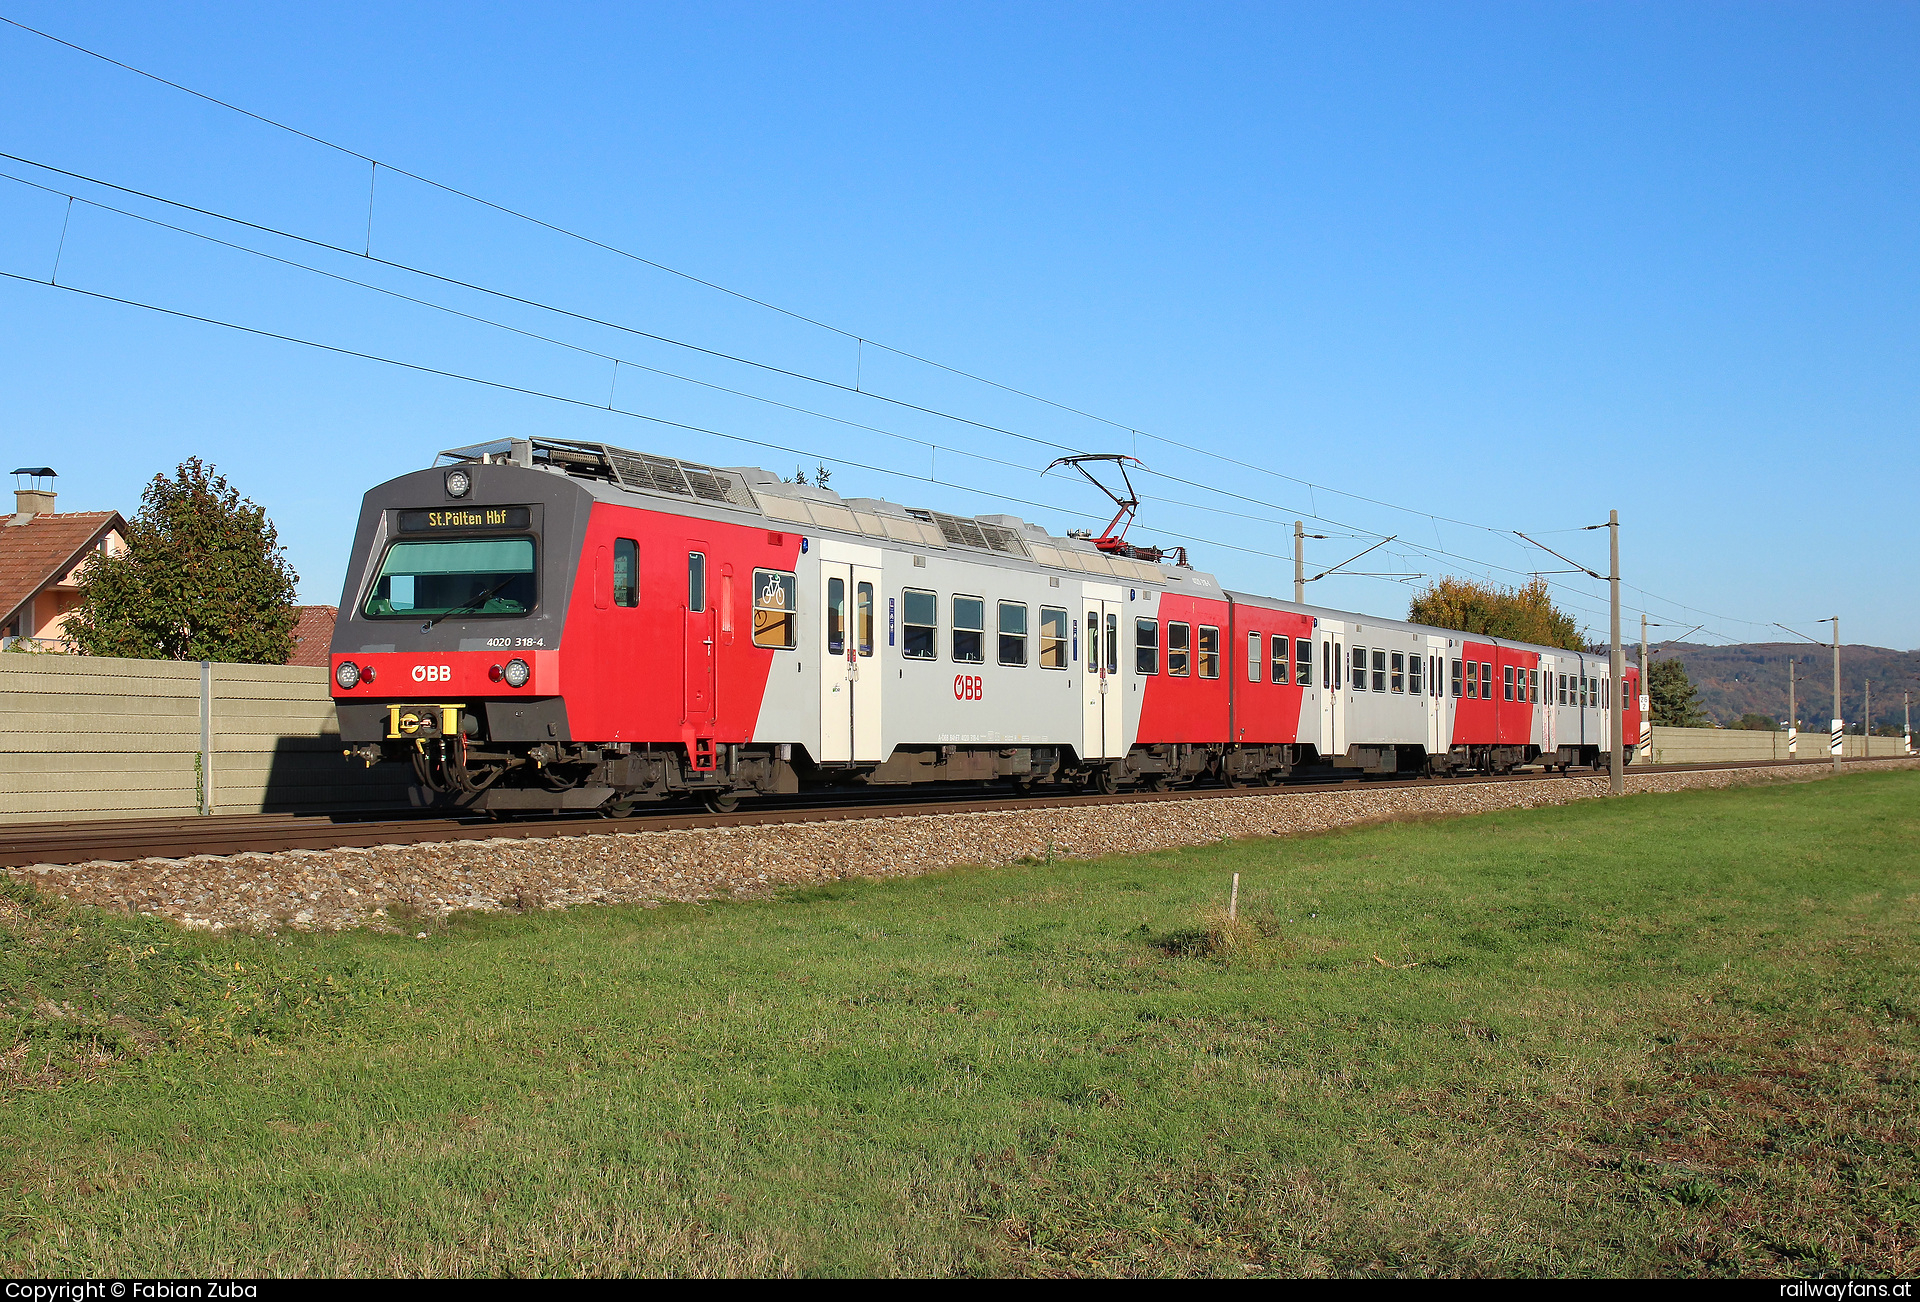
(458, 482)
(516, 673)
(347, 675)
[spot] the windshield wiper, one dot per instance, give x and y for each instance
(469, 603)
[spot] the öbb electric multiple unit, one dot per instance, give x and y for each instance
(546, 625)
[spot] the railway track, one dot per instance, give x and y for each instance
(179, 837)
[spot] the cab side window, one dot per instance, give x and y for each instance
(626, 572)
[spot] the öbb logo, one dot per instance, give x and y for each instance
(432, 673)
(966, 687)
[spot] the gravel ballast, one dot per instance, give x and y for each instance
(378, 885)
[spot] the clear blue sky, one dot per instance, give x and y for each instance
(1511, 264)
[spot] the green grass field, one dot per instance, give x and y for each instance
(1658, 1035)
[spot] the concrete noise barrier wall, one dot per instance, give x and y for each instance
(93, 737)
(1713, 745)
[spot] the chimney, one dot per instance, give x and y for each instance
(36, 498)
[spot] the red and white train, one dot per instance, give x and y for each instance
(548, 625)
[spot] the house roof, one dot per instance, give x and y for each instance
(34, 554)
(313, 635)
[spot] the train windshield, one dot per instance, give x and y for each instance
(484, 576)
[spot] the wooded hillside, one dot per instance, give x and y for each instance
(1734, 680)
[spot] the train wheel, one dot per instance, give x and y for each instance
(723, 803)
(1103, 781)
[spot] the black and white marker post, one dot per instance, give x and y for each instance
(1839, 724)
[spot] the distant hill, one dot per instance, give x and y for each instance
(1752, 677)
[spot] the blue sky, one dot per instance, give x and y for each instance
(1507, 265)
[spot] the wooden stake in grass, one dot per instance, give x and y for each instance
(1233, 899)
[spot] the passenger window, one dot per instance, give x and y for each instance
(1379, 671)
(1397, 679)
(836, 617)
(626, 572)
(919, 624)
(1282, 659)
(1413, 675)
(696, 582)
(1456, 678)
(969, 630)
(1209, 651)
(1053, 637)
(774, 606)
(1506, 686)
(1178, 648)
(1013, 633)
(1254, 657)
(1473, 680)
(1146, 646)
(1303, 662)
(1357, 679)
(863, 619)
(1113, 644)
(1486, 681)
(1563, 689)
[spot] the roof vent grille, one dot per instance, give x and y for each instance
(961, 532)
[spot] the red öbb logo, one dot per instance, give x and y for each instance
(966, 687)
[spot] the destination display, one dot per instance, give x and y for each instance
(464, 518)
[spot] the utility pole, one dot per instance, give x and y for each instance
(1793, 716)
(1906, 699)
(1299, 564)
(1617, 779)
(1839, 737)
(1866, 729)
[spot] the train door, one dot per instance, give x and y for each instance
(1436, 686)
(1333, 668)
(1104, 731)
(1548, 714)
(697, 661)
(850, 686)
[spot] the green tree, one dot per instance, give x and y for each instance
(1752, 722)
(203, 578)
(1675, 700)
(1524, 614)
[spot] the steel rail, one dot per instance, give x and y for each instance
(120, 840)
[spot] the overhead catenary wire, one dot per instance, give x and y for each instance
(724, 356)
(861, 340)
(279, 232)
(525, 391)
(615, 360)
(930, 478)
